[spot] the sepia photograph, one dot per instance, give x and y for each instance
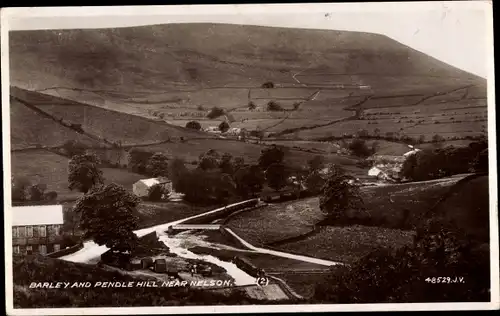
(249, 158)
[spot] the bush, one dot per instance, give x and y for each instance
(215, 112)
(296, 106)
(157, 193)
(268, 85)
(37, 191)
(193, 125)
(359, 148)
(223, 126)
(251, 105)
(274, 106)
(50, 196)
(200, 108)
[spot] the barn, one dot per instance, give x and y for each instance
(141, 187)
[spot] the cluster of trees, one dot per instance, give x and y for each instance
(436, 163)
(148, 163)
(358, 147)
(22, 189)
(107, 213)
(220, 178)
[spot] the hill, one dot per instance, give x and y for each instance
(320, 77)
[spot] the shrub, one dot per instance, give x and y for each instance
(215, 112)
(223, 126)
(296, 106)
(157, 192)
(273, 106)
(193, 125)
(200, 108)
(251, 105)
(359, 148)
(268, 85)
(50, 196)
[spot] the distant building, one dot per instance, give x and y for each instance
(141, 187)
(388, 168)
(37, 229)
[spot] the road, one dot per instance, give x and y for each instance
(91, 252)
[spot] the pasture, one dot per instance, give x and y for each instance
(52, 170)
(348, 244)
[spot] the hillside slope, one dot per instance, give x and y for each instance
(179, 71)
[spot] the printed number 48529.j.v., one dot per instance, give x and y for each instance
(450, 280)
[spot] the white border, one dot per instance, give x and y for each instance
(22, 13)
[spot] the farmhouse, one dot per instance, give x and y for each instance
(389, 168)
(141, 187)
(212, 129)
(37, 229)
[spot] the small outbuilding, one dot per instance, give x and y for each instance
(160, 266)
(147, 262)
(141, 187)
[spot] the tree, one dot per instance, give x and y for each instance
(296, 105)
(138, 160)
(37, 191)
(74, 148)
(274, 106)
(209, 160)
(276, 176)
(50, 196)
(316, 163)
(157, 192)
(315, 182)
(239, 162)
(19, 188)
(480, 162)
(108, 216)
(251, 105)
(223, 126)
(421, 139)
(177, 172)
(268, 85)
(84, 172)
(249, 181)
(359, 148)
(437, 140)
(339, 194)
(226, 164)
(215, 112)
(268, 156)
(157, 165)
(193, 125)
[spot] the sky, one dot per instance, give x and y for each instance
(457, 33)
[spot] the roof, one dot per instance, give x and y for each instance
(37, 215)
(152, 181)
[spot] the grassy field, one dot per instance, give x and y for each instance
(192, 149)
(348, 244)
(29, 129)
(52, 169)
(277, 222)
(111, 125)
(384, 205)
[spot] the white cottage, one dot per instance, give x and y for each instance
(141, 187)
